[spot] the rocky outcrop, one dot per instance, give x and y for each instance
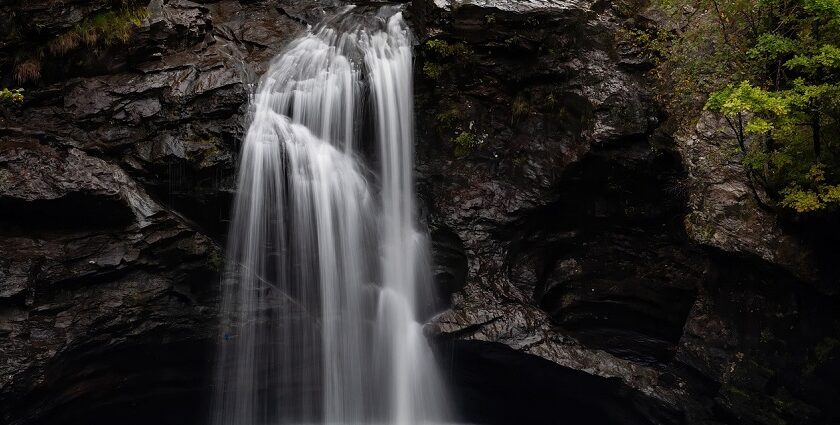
(560, 199)
(727, 211)
(597, 239)
(169, 106)
(764, 320)
(95, 276)
(597, 266)
(116, 175)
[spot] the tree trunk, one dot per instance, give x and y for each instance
(815, 130)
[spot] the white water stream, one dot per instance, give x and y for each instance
(326, 265)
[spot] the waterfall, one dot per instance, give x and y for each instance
(326, 268)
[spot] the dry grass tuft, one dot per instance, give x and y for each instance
(63, 43)
(519, 109)
(28, 70)
(108, 28)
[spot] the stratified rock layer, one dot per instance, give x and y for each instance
(115, 181)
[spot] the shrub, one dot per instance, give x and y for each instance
(771, 69)
(465, 142)
(448, 120)
(443, 49)
(432, 70)
(11, 96)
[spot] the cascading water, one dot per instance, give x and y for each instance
(326, 270)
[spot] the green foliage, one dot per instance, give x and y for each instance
(771, 68)
(465, 142)
(770, 47)
(704, 53)
(813, 195)
(441, 56)
(443, 49)
(745, 97)
(216, 261)
(11, 96)
(825, 58)
(433, 70)
(449, 119)
(801, 200)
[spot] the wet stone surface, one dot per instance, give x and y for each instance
(579, 242)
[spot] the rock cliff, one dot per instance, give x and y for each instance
(598, 265)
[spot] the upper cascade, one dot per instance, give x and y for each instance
(326, 267)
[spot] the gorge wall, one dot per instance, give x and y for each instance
(596, 262)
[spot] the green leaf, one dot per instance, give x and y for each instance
(771, 46)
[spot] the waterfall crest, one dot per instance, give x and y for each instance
(326, 268)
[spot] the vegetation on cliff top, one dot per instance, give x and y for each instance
(103, 29)
(108, 28)
(771, 69)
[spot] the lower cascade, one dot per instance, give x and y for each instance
(327, 272)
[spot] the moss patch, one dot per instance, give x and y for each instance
(444, 49)
(433, 70)
(448, 120)
(440, 56)
(465, 142)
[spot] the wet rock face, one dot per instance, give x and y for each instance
(169, 105)
(535, 152)
(592, 262)
(611, 265)
(597, 240)
(96, 278)
(116, 176)
(767, 340)
(726, 211)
